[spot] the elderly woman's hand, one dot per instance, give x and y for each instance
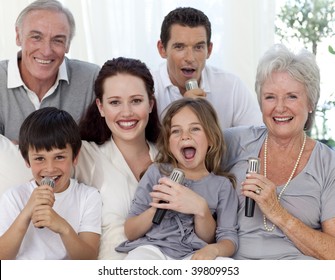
(263, 191)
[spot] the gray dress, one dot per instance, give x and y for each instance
(310, 196)
(175, 236)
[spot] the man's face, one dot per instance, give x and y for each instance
(44, 40)
(186, 53)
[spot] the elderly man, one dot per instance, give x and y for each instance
(40, 75)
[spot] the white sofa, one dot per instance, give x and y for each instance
(13, 170)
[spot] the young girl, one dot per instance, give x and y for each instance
(203, 209)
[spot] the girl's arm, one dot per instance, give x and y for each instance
(184, 200)
(137, 226)
(204, 223)
(223, 248)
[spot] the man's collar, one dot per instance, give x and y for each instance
(62, 73)
(14, 79)
(167, 81)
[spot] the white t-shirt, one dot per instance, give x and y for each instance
(79, 205)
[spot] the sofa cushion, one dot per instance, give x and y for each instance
(13, 170)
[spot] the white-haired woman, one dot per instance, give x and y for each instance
(294, 194)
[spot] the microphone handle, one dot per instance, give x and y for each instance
(254, 167)
(249, 207)
(178, 176)
(47, 181)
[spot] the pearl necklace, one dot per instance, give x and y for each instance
(288, 181)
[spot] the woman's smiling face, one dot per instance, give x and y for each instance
(125, 106)
(284, 105)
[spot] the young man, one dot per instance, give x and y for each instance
(56, 220)
(40, 75)
(185, 43)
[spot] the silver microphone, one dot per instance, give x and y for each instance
(48, 181)
(178, 176)
(254, 167)
(191, 84)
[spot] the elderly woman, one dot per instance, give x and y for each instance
(294, 191)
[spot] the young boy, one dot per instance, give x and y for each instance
(38, 221)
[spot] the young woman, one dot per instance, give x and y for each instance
(120, 129)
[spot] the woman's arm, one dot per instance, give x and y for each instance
(311, 242)
(314, 243)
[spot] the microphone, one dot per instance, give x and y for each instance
(254, 167)
(178, 176)
(47, 181)
(191, 84)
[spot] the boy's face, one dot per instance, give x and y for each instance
(56, 164)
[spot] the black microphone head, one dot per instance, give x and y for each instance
(48, 181)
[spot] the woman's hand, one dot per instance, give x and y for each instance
(263, 191)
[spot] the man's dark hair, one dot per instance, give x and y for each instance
(186, 17)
